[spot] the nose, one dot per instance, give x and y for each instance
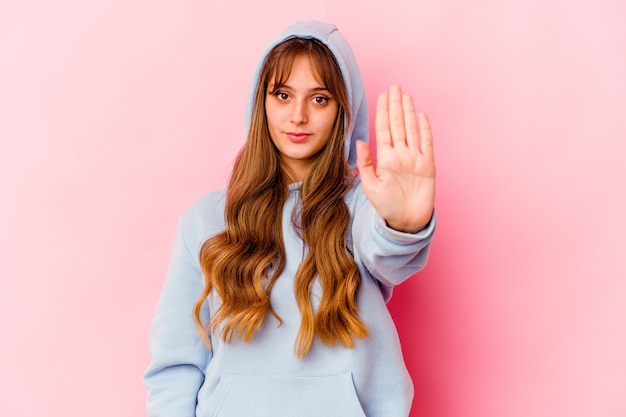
(299, 112)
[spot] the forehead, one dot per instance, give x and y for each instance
(304, 69)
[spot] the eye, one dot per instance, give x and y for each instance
(320, 100)
(282, 96)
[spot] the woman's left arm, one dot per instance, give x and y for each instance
(390, 256)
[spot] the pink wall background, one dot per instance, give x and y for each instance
(115, 115)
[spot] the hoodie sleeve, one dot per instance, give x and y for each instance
(390, 256)
(179, 357)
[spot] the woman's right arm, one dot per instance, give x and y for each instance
(179, 357)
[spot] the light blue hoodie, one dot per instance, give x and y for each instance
(264, 378)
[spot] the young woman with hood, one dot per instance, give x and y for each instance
(275, 299)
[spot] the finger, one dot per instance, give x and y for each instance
(410, 121)
(365, 164)
(396, 116)
(383, 134)
(426, 136)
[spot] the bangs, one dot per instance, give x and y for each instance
(279, 70)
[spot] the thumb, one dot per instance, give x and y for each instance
(365, 164)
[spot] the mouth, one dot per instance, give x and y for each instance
(297, 136)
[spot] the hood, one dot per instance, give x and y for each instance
(328, 34)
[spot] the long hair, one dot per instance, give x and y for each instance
(243, 262)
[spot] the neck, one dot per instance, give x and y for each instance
(293, 174)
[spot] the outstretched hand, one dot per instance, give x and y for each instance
(402, 186)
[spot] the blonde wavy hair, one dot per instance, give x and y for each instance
(243, 262)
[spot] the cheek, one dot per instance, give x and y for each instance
(273, 114)
(270, 117)
(329, 121)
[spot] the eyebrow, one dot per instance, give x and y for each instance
(288, 87)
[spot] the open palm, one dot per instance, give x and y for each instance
(402, 186)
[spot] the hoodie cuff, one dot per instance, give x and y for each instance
(396, 236)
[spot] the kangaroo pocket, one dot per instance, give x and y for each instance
(285, 396)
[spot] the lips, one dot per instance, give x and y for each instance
(298, 137)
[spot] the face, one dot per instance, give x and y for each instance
(300, 117)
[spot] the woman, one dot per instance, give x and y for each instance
(274, 302)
